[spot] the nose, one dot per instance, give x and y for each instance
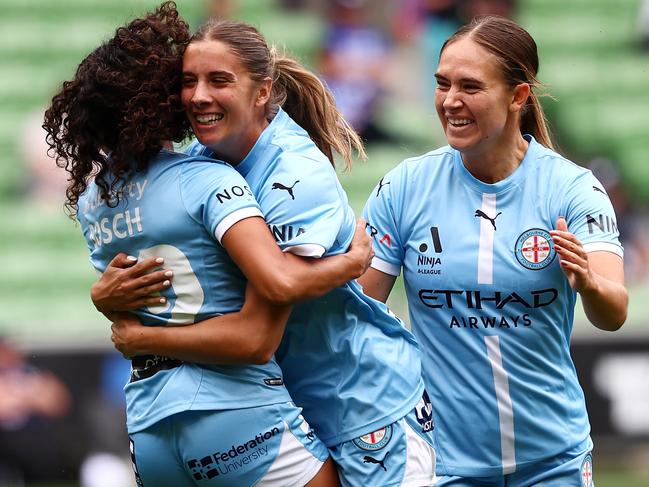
(452, 99)
(200, 95)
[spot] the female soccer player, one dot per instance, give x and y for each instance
(496, 234)
(188, 424)
(352, 365)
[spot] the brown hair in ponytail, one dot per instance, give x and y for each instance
(516, 50)
(296, 89)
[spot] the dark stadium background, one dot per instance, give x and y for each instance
(591, 61)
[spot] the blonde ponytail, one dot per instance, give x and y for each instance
(307, 100)
(296, 89)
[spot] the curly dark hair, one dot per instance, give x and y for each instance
(123, 101)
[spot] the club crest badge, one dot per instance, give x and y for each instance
(587, 471)
(534, 249)
(376, 440)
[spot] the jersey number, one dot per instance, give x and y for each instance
(185, 285)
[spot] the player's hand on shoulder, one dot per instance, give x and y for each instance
(127, 284)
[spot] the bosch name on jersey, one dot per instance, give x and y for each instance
(118, 225)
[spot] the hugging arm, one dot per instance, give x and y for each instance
(285, 278)
(377, 284)
(280, 277)
(250, 335)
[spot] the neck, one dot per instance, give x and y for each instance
(235, 151)
(496, 163)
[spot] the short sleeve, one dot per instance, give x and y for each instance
(216, 195)
(381, 212)
(303, 205)
(590, 215)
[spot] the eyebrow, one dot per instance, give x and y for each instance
(223, 74)
(462, 80)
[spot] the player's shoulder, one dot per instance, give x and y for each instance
(557, 166)
(440, 156)
(423, 167)
(292, 145)
(188, 164)
(297, 155)
(298, 149)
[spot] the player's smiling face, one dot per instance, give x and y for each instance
(472, 99)
(225, 106)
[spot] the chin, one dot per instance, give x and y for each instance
(463, 144)
(459, 145)
(205, 139)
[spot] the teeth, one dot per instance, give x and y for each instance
(459, 121)
(208, 118)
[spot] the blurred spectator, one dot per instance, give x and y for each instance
(295, 4)
(643, 24)
(46, 182)
(353, 62)
(106, 464)
(220, 9)
(475, 8)
(106, 470)
(441, 19)
(633, 224)
(32, 402)
(433, 21)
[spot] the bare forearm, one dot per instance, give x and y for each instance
(606, 303)
(377, 284)
(314, 278)
(249, 336)
(283, 278)
(207, 342)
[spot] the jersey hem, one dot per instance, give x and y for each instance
(140, 425)
(583, 446)
(416, 481)
(385, 420)
(306, 250)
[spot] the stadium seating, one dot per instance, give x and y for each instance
(592, 64)
(588, 60)
(44, 286)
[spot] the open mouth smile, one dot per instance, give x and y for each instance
(208, 118)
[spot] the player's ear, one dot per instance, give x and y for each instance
(263, 91)
(522, 92)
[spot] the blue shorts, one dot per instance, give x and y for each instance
(270, 446)
(400, 454)
(570, 469)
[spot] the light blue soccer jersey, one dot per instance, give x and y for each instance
(179, 209)
(488, 301)
(346, 359)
